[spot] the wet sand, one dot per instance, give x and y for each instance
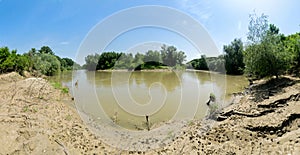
(35, 118)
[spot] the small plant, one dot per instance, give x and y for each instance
(191, 123)
(214, 108)
(25, 108)
(34, 110)
(68, 117)
(65, 90)
(57, 85)
(212, 97)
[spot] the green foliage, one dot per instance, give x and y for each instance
(199, 64)
(76, 66)
(65, 90)
(170, 56)
(29, 109)
(107, 60)
(91, 61)
(23, 63)
(292, 47)
(138, 58)
(4, 54)
(11, 61)
(214, 107)
(216, 64)
(46, 50)
(234, 57)
(46, 64)
(179, 67)
(212, 96)
(152, 56)
(150, 65)
(68, 64)
(57, 85)
(25, 108)
(8, 60)
(151, 60)
(124, 61)
(265, 56)
(68, 117)
(257, 27)
(44, 61)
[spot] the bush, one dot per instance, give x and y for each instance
(46, 64)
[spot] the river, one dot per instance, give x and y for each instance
(127, 97)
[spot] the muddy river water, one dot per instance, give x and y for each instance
(127, 97)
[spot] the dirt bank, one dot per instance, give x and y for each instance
(35, 119)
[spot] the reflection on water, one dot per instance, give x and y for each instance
(126, 97)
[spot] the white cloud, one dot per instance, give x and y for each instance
(198, 8)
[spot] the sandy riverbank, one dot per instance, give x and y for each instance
(35, 119)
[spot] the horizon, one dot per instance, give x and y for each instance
(63, 28)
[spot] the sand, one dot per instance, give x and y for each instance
(35, 118)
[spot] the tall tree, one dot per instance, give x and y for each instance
(138, 59)
(152, 56)
(170, 56)
(124, 61)
(234, 57)
(292, 46)
(265, 55)
(257, 28)
(91, 61)
(46, 49)
(107, 60)
(199, 64)
(46, 64)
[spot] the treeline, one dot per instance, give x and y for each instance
(215, 64)
(38, 62)
(168, 56)
(266, 53)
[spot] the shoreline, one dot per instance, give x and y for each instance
(35, 119)
(159, 70)
(144, 70)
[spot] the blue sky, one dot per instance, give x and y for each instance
(64, 24)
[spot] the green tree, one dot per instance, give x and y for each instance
(46, 49)
(124, 61)
(170, 56)
(199, 64)
(4, 54)
(292, 46)
(152, 56)
(91, 61)
(138, 58)
(265, 55)
(11, 61)
(257, 27)
(46, 64)
(234, 57)
(180, 57)
(107, 60)
(216, 64)
(66, 64)
(23, 63)
(30, 54)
